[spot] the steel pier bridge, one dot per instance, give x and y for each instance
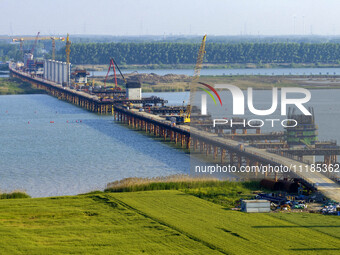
(221, 148)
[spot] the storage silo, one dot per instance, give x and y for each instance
(49, 69)
(45, 69)
(55, 71)
(60, 72)
(66, 75)
(52, 70)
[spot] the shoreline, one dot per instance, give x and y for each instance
(104, 67)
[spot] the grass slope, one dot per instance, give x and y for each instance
(10, 86)
(156, 222)
(233, 232)
(85, 225)
(226, 193)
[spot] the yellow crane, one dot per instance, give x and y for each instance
(195, 79)
(68, 51)
(31, 38)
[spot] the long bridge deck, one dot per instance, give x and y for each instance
(160, 126)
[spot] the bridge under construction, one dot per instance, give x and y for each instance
(294, 149)
(234, 149)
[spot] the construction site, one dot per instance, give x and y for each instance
(234, 145)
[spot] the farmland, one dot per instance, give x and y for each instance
(156, 222)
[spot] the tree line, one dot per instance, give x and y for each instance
(216, 53)
(186, 53)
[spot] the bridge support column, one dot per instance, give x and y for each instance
(188, 142)
(231, 158)
(215, 152)
(223, 152)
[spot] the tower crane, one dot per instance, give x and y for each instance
(29, 38)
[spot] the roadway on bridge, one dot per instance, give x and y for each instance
(325, 185)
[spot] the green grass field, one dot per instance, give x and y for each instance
(10, 86)
(157, 222)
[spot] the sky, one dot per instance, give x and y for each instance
(170, 17)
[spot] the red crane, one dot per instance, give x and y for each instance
(35, 43)
(113, 64)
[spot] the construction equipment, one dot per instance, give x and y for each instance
(113, 64)
(35, 43)
(29, 38)
(194, 80)
(125, 81)
(68, 51)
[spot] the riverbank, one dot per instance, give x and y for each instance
(180, 83)
(13, 86)
(90, 67)
(160, 222)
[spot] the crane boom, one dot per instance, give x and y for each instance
(35, 43)
(68, 51)
(114, 72)
(119, 70)
(30, 38)
(196, 77)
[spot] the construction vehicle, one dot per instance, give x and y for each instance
(29, 38)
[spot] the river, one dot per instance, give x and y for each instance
(221, 71)
(50, 147)
(244, 71)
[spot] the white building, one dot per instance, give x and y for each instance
(134, 90)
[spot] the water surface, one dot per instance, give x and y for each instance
(49, 147)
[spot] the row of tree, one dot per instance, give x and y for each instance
(216, 53)
(186, 53)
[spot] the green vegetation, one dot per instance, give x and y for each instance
(166, 53)
(226, 193)
(9, 51)
(156, 222)
(9, 86)
(14, 195)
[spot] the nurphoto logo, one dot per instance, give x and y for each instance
(239, 104)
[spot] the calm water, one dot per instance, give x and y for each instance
(256, 71)
(82, 151)
(77, 153)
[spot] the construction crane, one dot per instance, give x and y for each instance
(68, 51)
(194, 80)
(35, 43)
(29, 38)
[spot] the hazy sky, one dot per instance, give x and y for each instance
(158, 17)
